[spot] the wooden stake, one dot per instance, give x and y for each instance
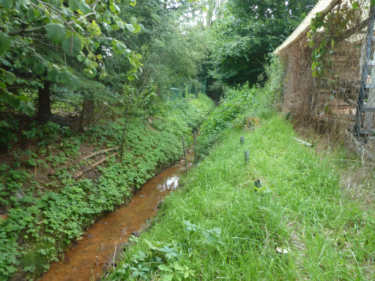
(184, 149)
(247, 156)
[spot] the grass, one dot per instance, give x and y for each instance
(299, 225)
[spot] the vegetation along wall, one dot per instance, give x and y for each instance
(322, 60)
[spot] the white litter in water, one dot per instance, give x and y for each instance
(170, 184)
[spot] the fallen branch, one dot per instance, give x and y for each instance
(304, 142)
(67, 166)
(114, 258)
(81, 173)
(99, 152)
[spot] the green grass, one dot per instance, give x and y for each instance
(218, 226)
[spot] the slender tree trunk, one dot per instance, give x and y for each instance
(44, 103)
(87, 115)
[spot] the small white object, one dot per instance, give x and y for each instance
(170, 184)
(282, 250)
(303, 142)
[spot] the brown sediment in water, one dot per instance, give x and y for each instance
(88, 258)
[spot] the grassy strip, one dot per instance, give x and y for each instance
(298, 226)
(41, 225)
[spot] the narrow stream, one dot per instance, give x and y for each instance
(90, 256)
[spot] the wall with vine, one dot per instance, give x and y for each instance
(323, 68)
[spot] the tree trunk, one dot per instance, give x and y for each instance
(87, 115)
(44, 103)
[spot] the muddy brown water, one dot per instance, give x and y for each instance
(91, 255)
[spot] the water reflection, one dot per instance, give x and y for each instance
(170, 184)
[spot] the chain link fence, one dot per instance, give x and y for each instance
(328, 102)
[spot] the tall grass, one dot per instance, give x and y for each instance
(219, 226)
(298, 225)
(241, 104)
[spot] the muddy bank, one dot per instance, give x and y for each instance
(98, 248)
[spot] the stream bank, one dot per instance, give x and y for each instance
(48, 211)
(281, 216)
(102, 244)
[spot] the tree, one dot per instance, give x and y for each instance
(248, 32)
(48, 43)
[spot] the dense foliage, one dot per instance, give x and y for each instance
(242, 106)
(83, 61)
(78, 76)
(299, 224)
(50, 44)
(244, 36)
(46, 214)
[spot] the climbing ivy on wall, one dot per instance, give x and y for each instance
(328, 29)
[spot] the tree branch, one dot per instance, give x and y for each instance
(82, 17)
(23, 31)
(352, 31)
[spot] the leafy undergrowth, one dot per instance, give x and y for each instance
(299, 225)
(242, 107)
(44, 216)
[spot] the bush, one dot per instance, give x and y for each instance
(242, 106)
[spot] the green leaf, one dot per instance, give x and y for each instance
(7, 77)
(133, 3)
(94, 29)
(137, 27)
(166, 277)
(55, 32)
(130, 27)
(9, 99)
(5, 43)
(163, 267)
(84, 7)
(120, 48)
(7, 4)
(76, 5)
(72, 45)
(38, 67)
(114, 8)
(53, 73)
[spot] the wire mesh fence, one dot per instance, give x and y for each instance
(328, 102)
